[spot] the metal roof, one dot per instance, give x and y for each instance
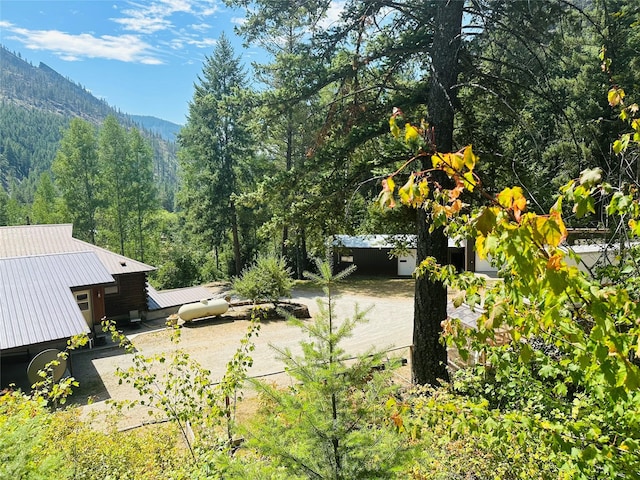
(172, 298)
(373, 241)
(380, 241)
(36, 302)
(25, 240)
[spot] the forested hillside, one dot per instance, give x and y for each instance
(502, 122)
(36, 105)
(167, 130)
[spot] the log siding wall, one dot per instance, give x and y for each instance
(132, 295)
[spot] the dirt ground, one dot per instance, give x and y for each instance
(213, 343)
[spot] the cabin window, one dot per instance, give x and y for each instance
(346, 258)
(111, 290)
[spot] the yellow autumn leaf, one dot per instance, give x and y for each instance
(409, 193)
(480, 250)
(423, 188)
(512, 198)
(634, 225)
(456, 161)
(470, 181)
(393, 127)
(549, 230)
(617, 147)
(470, 158)
(615, 96)
(411, 133)
(555, 262)
(388, 184)
(519, 200)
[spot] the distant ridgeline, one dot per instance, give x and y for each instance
(36, 105)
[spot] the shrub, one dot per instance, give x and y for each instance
(268, 279)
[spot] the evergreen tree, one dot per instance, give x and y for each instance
(4, 215)
(373, 59)
(331, 423)
(429, 359)
(287, 130)
(215, 143)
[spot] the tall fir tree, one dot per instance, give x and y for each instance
(215, 143)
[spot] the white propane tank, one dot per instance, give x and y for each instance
(203, 308)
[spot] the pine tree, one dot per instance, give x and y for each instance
(331, 423)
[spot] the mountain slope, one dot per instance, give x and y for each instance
(36, 105)
(44, 89)
(167, 130)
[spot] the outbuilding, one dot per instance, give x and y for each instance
(393, 255)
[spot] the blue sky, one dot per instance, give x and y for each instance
(142, 57)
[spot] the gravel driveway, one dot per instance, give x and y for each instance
(213, 344)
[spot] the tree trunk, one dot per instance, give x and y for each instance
(288, 166)
(236, 239)
(301, 254)
(429, 360)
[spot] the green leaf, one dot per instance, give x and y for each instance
(589, 453)
(526, 353)
(622, 144)
(590, 177)
(560, 389)
(632, 379)
(486, 222)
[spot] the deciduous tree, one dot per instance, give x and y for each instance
(144, 198)
(78, 174)
(47, 205)
(118, 175)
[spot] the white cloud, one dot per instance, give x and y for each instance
(201, 42)
(208, 8)
(176, 44)
(143, 24)
(156, 16)
(125, 48)
(333, 14)
(138, 21)
(200, 27)
(238, 20)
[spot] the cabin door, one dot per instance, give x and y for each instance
(407, 264)
(83, 299)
